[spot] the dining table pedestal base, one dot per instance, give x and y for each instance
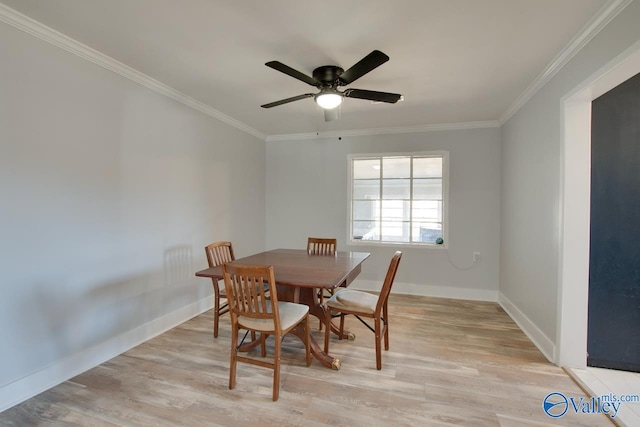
(308, 296)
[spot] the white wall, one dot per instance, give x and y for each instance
(532, 209)
(307, 196)
(108, 194)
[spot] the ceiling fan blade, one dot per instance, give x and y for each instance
(331, 114)
(366, 64)
(373, 95)
(287, 100)
(279, 66)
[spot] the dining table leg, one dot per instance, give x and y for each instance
(317, 351)
(308, 297)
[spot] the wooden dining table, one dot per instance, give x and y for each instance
(301, 277)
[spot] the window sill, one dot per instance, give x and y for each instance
(419, 246)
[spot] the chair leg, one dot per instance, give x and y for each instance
(307, 339)
(385, 332)
(378, 344)
(263, 344)
(320, 301)
(341, 326)
(385, 325)
(216, 313)
(276, 367)
(327, 329)
(233, 362)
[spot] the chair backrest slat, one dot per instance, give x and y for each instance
(388, 280)
(321, 246)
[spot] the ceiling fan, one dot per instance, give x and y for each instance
(329, 78)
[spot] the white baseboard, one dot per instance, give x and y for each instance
(24, 388)
(539, 339)
(546, 346)
(429, 290)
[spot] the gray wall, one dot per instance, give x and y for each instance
(307, 196)
(532, 195)
(109, 193)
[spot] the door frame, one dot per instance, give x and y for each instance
(575, 196)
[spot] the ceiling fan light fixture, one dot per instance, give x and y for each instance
(328, 78)
(328, 100)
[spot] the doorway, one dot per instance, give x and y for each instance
(571, 342)
(571, 348)
(613, 336)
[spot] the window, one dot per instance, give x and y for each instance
(398, 198)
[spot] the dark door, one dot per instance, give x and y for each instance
(614, 266)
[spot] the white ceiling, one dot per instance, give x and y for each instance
(454, 61)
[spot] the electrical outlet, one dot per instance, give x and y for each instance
(476, 256)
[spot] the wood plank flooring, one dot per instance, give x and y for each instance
(451, 363)
(611, 382)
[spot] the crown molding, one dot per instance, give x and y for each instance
(589, 31)
(45, 33)
(384, 131)
(49, 35)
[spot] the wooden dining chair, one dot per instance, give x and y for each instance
(321, 246)
(218, 253)
(255, 310)
(363, 304)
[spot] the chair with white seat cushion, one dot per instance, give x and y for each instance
(254, 307)
(363, 304)
(217, 254)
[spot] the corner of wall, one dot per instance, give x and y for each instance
(546, 346)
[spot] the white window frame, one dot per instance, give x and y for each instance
(445, 198)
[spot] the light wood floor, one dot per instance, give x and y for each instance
(451, 362)
(606, 382)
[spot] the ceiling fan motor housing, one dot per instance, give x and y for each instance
(327, 74)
